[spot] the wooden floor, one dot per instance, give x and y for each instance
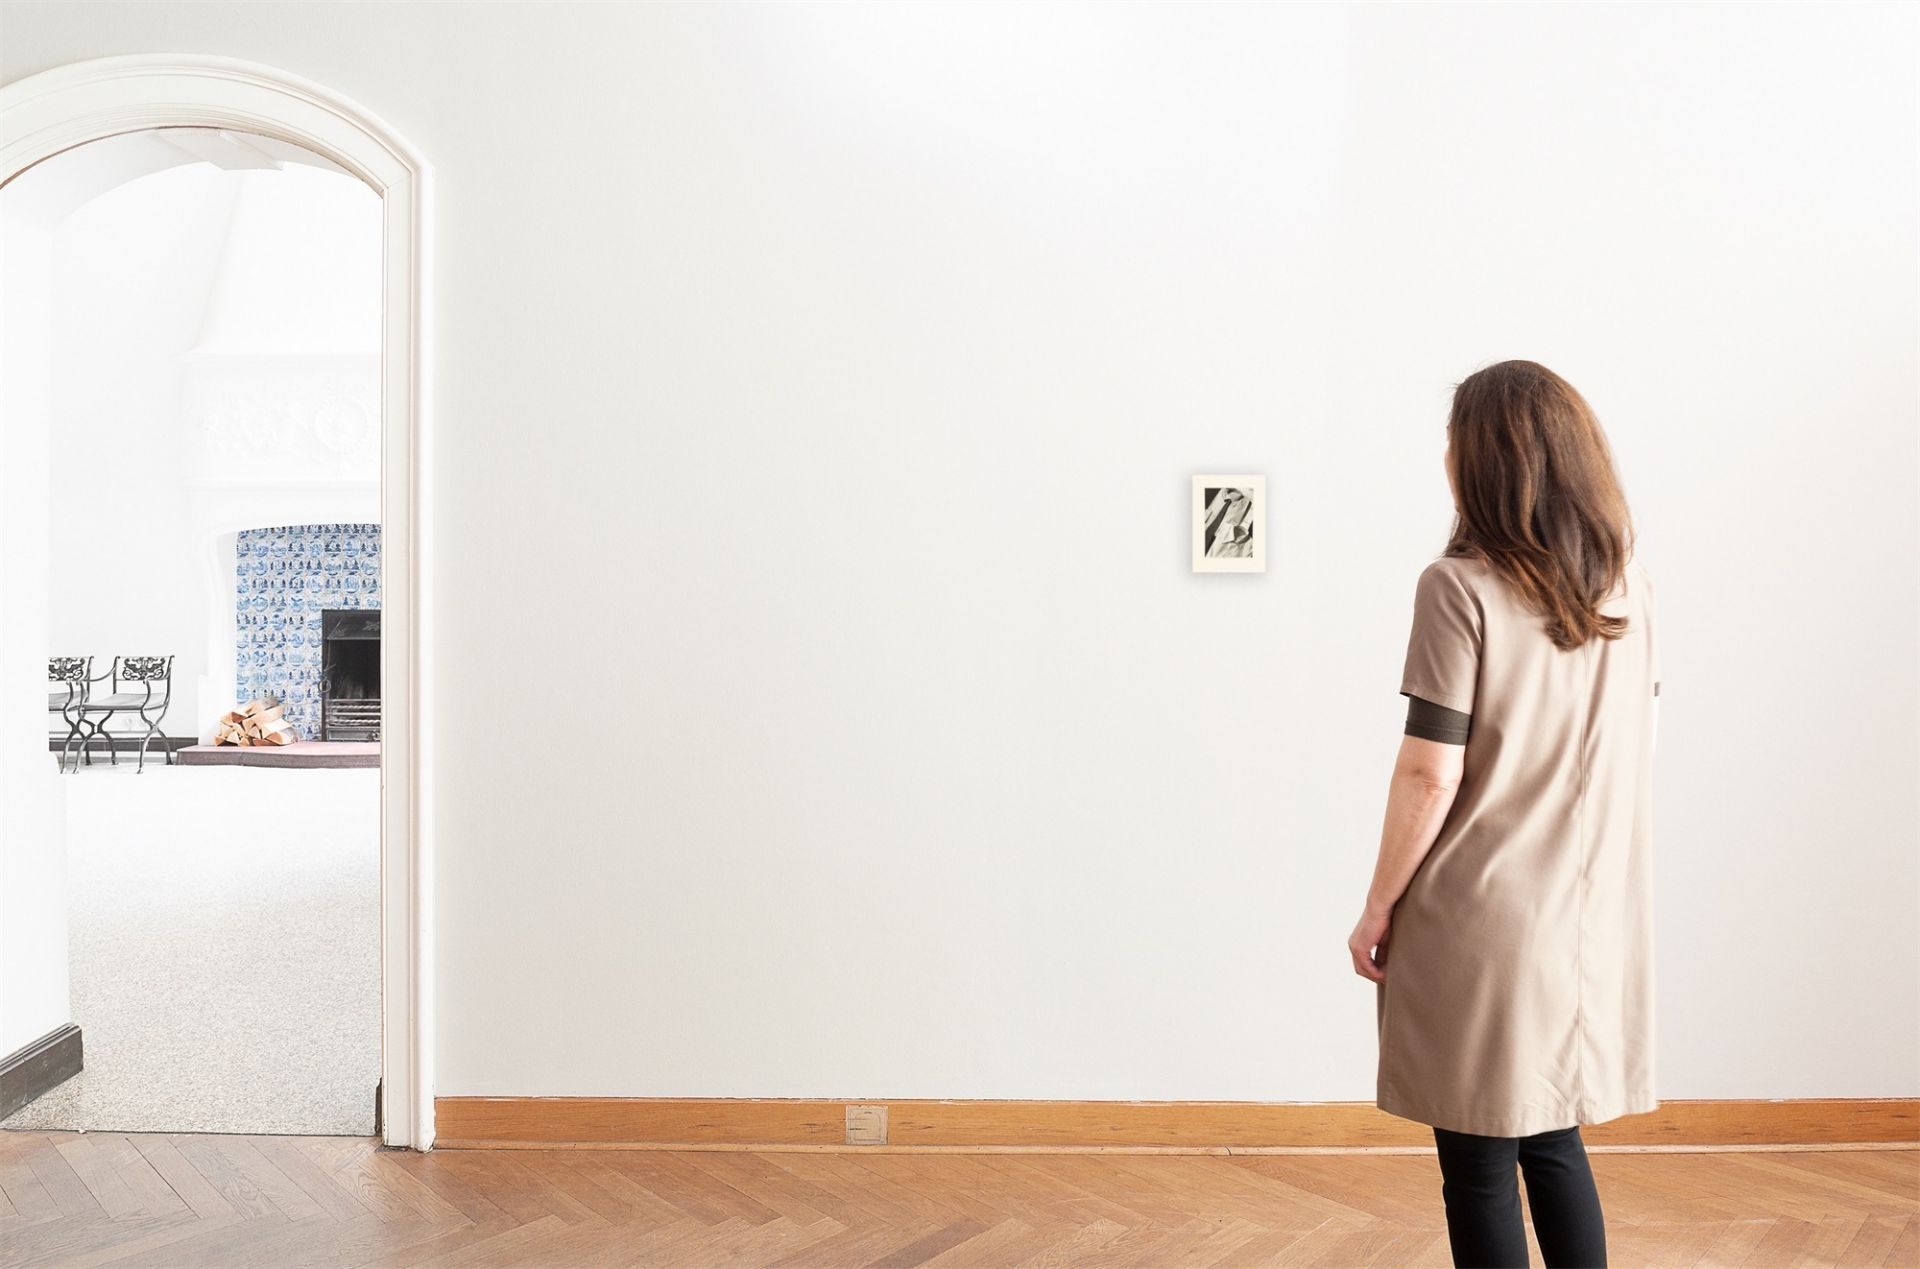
(108, 1198)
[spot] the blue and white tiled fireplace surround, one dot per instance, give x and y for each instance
(286, 578)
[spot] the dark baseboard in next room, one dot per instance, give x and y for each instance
(34, 1068)
(129, 744)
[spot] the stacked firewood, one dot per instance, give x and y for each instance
(257, 723)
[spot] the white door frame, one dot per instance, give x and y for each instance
(44, 114)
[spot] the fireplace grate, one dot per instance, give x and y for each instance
(354, 719)
(350, 674)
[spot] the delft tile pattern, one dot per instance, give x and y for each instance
(286, 578)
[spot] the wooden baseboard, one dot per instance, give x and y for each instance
(32, 1069)
(1201, 1127)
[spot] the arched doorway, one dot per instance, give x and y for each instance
(71, 106)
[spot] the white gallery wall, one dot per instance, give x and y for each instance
(817, 388)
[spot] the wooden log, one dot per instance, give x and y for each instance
(278, 733)
(258, 722)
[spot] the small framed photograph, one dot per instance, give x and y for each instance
(1229, 524)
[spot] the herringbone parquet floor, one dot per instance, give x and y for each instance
(264, 1202)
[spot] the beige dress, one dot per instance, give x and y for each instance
(1519, 986)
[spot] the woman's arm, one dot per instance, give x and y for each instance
(1426, 775)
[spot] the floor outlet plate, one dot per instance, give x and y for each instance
(866, 1125)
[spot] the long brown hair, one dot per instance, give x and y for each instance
(1538, 495)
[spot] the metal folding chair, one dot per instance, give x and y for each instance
(74, 675)
(94, 712)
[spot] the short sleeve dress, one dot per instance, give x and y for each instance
(1519, 968)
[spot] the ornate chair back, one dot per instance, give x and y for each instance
(147, 670)
(68, 669)
(72, 673)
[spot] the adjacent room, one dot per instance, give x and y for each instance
(210, 359)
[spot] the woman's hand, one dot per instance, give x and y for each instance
(1426, 776)
(1368, 943)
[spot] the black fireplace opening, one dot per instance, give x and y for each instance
(350, 674)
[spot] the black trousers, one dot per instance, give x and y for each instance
(1483, 1200)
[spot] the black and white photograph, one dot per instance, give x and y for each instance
(1229, 529)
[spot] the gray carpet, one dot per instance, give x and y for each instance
(225, 937)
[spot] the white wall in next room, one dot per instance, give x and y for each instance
(215, 367)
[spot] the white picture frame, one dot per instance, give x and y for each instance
(1229, 523)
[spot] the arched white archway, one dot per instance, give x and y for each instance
(45, 114)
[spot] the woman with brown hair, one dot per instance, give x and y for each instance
(1513, 883)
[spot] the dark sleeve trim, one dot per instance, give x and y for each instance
(1430, 721)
